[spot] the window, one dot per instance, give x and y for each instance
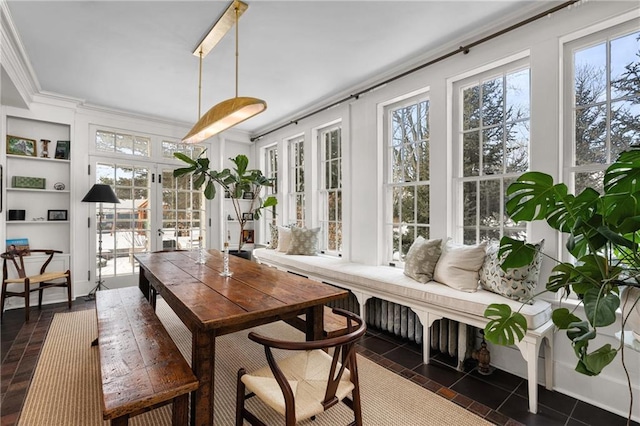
(330, 143)
(493, 139)
(604, 103)
(296, 181)
(271, 172)
(190, 150)
(120, 143)
(407, 177)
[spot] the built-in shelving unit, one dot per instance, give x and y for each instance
(233, 227)
(47, 211)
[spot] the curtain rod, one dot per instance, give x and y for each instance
(461, 49)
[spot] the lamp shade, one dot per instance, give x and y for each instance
(224, 115)
(101, 193)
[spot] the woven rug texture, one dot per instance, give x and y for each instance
(66, 387)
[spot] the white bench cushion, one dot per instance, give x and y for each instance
(390, 280)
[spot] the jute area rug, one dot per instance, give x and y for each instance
(66, 388)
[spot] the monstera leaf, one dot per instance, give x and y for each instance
(505, 326)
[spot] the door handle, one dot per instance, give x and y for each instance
(160, 232)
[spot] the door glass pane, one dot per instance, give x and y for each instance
(183, 214)
(126, 225)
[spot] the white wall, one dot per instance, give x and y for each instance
(362, 164)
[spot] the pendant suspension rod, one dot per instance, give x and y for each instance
(237, 11)
(200, 87)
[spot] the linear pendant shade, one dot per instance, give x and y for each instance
(224, 115)
(100, 193)
(233, 111)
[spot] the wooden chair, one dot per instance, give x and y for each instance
(307, 383)
(44, 279)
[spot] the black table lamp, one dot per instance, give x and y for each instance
(99, 193)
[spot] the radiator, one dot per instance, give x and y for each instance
(403, 322)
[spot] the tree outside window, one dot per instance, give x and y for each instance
(605, 104)
(408, 175)
(296, 181)
(494, 139)
(330, 140)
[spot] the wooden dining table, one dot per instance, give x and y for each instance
(211, 305)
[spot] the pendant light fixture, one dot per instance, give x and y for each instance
(232, 111)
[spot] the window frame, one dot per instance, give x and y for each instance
(297, 184)
(323, 192)
(389, 242)
(502, 69)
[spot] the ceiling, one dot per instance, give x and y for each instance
(136, 56)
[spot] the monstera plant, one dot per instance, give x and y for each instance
(602, 234)
(239, 183)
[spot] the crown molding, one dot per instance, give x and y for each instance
(15, 60)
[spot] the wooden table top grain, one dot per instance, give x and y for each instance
(211, 305)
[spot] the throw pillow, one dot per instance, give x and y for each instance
(421, 259)
(273, 241)
(304, 241)
(284, 239)
(516, 283)
(459, 264)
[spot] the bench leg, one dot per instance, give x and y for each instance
(180, 414)
(120, 421)
(548, 362)
(529, 351)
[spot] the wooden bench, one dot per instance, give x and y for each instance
(334, 325)
(141, 366)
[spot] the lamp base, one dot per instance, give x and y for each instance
(92, 294)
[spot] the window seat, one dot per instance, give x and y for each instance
(430, 302)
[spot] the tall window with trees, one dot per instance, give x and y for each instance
(330, 143)
(407, 177)
(271, 172)
(296, 181)
(604, 102)
(493, 131)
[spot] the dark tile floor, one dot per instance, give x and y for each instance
(500, 398)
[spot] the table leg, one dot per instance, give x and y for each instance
(143, 284)
(315, 323)
(203, 365)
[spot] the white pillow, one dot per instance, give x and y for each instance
(459, 264)
(284, 239)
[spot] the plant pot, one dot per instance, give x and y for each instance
(242, 253)
(628, 297)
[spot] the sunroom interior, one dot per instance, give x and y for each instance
(375, 134)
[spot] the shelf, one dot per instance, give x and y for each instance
(30, 158)
(53, 191)
(37, 222)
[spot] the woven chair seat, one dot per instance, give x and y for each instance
(40, 278)
(307, 374)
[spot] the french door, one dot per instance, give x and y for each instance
(156, 212)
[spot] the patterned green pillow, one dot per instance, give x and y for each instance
(517, 283)
(421, 259)
(273, 241)
(304, 241)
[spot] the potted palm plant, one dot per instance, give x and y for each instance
(240, 183)
(602, 233)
